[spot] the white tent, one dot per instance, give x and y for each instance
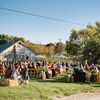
(40, 56)
(61, 57)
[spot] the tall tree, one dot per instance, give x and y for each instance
(85, 42)
(72, 48)
(51, 49)
(91, 51)
(59, 48)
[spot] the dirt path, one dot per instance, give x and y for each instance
(80, 96)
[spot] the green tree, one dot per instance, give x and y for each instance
(91, 51)
(3, 41)
(72, 48)
(85, 42)
(74, 35)
(50, 48)
(59, 48)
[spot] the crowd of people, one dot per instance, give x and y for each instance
(15, 71)
(76, 72)
(84, 72)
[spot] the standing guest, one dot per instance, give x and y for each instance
(34, 69)
(67, 66)
(2, 68)
(94, 72)
(15, 73)
(8, 72)
(78, 65)
(24, 73)
(88, 72)
(98, 76)
(53, 70)
(58, 67)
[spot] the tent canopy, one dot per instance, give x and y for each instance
(40, 56)
(61, 57)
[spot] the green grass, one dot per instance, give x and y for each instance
(43, 89)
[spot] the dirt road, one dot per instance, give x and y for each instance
(80, 96)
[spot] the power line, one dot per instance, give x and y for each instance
(40, 16)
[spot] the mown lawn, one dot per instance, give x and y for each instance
(41, 90)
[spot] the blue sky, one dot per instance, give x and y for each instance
(40, 30)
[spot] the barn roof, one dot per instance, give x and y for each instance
(5, 46)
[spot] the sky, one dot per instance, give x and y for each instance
(39, 30)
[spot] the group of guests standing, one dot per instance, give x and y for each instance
(39, 69)
(42, 69)
(84, 72)
(16, 71)
(77, 72)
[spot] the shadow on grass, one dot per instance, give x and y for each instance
(61, 79)
(96, 85)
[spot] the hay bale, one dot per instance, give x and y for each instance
(9, 82)
(13, 83)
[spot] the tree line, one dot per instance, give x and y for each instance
(49, 49)
(83, 44)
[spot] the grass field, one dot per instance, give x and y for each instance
(41, 90)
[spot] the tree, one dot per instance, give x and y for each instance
(72, 48)
(91, 51)
(85, 42)
(3, 41)
(59, 48)
(50, 48)
(74, 35)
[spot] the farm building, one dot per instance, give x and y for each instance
(16, 51)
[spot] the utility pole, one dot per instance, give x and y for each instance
(14, 49)
(60, 40)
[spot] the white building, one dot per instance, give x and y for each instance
(16, 51)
